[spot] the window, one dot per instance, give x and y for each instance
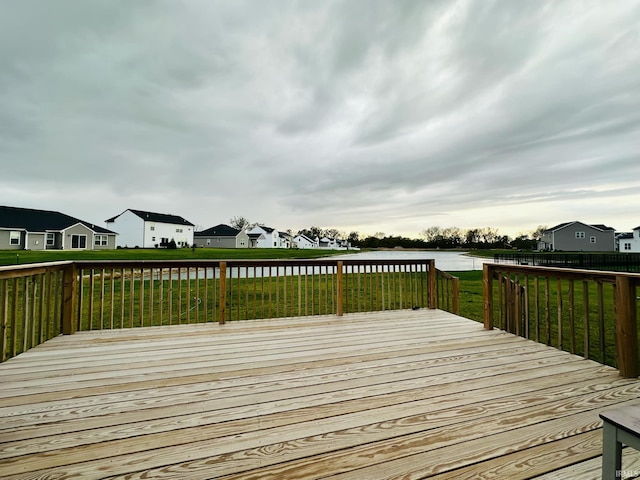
(101, 240)
(592, 239)
(14, 238)
(152, 228)
(627, 246)
(579, 234)
(178, 230)
(51, 239)
(153, 239)
(78, 241)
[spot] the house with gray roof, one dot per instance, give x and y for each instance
(32, 229)
(142, 229)
(578, 237)
(221, 236)
(302, 241)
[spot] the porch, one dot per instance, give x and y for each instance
(392, 394)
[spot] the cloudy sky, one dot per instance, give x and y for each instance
(368, 115)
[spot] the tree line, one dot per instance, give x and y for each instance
(431, 237)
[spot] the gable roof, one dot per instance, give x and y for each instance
(155, 217)
(33, 220)
(598, 226)
(304, 237)
(221, 230)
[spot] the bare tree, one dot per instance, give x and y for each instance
(537, 233)
(431, 234)
(240, 223)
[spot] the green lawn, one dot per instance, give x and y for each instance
(14, 257)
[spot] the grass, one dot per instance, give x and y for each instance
(15, 257)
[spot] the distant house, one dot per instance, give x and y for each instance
(264, 237)
(138, 228)
(302, 241)
(328, 243)
(577, 236)
(334, 244)
(286, 240)
(221, 236)
(629, 242)
(30, 229)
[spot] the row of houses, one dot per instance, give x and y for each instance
(24, 228)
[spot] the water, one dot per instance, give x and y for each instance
(445, 260)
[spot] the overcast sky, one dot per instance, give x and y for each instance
(369, 115)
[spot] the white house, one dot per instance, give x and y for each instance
(328, 243)
(137, 228)
(264, 237)
(629, 242)
(302, 241)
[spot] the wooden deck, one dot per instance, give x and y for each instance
(388, 395)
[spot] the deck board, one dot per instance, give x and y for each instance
(401, 394)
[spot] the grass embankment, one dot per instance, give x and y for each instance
(14, 257)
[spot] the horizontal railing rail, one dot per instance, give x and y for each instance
(40, 301)
(612, 261)
(588, 312)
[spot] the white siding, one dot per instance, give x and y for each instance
(130, 228)
(634, 243)
(270, 240)
(154, 233)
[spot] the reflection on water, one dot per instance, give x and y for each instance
(446, 261)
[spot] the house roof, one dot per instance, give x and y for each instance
(598, 226)
(33, 220)
(624, 235)
(221, 230)
(304, 237)
(155, 217)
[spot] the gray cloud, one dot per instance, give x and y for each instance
(371, 115)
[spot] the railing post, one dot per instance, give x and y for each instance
(432, 281)
(69, 289)
(456, 296)
(487, 293)
(222, 297)
(626, 327)
(339, 288)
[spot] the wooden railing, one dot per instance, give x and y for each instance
(30, 306)
(41, 301)
(588, 312)
(448, 292)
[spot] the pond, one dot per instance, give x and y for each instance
(447, 261)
